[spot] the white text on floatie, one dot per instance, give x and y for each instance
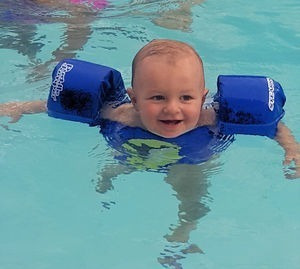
(271, 93)
(58, 81)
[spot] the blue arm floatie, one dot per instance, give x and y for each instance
(79, 89)
(249, 105)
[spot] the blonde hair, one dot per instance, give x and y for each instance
(163, 47)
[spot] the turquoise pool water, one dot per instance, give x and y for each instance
(58, 208)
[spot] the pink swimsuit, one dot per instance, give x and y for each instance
(96, 4)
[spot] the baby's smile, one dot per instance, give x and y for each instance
(171, 122)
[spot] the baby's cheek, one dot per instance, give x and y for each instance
(194, 112)
(146, 115)
(149, 111)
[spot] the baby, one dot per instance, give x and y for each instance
(168, 88)
(167, 94)
(167, 91)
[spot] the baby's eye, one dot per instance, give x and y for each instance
(158, 97)
(186, 97)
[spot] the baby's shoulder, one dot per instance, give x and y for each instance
(208, 117)
(124, 113)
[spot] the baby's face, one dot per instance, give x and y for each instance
(168, 96)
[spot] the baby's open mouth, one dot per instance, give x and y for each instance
(171, 122)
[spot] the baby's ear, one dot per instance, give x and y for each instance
(132, 96)
(205, 92)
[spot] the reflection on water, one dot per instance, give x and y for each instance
(19, 21)
(170, 14)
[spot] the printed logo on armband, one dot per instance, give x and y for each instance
(58, 81)
(271, 93)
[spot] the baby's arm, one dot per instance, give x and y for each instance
(15, 110)
(125, 114)
(207, 117)
(291, 147)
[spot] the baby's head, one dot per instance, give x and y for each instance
(168, 87)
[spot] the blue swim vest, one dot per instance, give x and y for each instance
(146, 151)
(245, 104)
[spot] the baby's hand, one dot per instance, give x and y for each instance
(292, 163)
(292, 151)
(12, 110)
(15, 110)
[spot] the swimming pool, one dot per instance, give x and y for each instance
(59, 209)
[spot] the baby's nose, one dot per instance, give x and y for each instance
(171, 107)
